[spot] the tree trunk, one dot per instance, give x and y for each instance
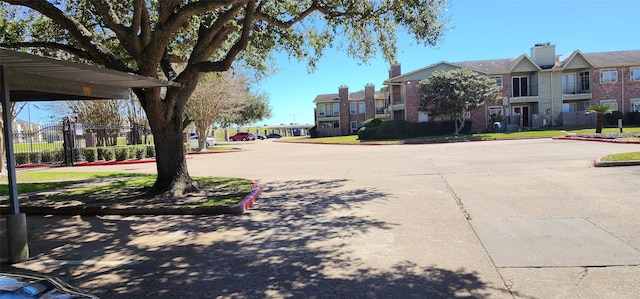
(599, 122)
(458, 127)
(173, 176)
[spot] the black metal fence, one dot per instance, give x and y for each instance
(59, 143)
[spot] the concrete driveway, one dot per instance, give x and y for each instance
(498, 219)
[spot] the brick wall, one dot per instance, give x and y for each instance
(369, 100)
(412, 101)
(343, 93)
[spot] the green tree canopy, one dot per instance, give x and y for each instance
(456, 93)
(150, 37)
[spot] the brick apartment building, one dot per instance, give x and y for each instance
(343, 113)
(540, 89)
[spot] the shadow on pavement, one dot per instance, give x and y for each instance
(293, 243)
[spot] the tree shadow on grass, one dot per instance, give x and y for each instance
(292, 244)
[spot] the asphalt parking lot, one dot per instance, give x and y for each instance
(496, 219)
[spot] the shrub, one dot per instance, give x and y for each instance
(611, 119)
(91, 154)
(78, 155)
(132, 151)
(395, 129)
(313, 132)
(121, 153)
(52, 156)
(448, 127)
(151, 151)
(35, 157)
(365, 133)
(632, 118)
(141, 152)
(21, 158)
(107, 153)
(372, 122)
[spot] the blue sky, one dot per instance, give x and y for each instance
(478, 30)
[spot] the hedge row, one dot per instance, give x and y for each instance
(373, 129)
(88, 154)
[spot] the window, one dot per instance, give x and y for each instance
(635, 74)
(608, 76)
(379, 106)
(352, 108)
(336, 109)
(584, 81)
(613, 104)
(321, 110)
(498, 80)
(496, 112)
(519, 86)
(354, 127)
(569, 83)
(635, 105)
(361, 108)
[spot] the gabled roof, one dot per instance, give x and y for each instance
(323, 98)
(407, 76)
(611, 59)
(564, 61)
(507, 65)
(522, 59)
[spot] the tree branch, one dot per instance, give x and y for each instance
(84, 37)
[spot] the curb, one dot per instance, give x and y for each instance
(597, 140)
(236, 209)
(599, 163)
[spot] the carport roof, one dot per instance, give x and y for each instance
(33, 77)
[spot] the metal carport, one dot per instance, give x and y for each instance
(28, 77)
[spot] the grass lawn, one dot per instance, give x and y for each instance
(105, 187)
(622, 157)
(605, 130)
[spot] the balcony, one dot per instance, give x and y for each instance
(524, 93)
(573, 91)
(328, 116)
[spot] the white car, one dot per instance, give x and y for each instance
(193, 141)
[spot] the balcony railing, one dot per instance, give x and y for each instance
(573, 88)
(530, 90)
(379, 110)
(323, 115)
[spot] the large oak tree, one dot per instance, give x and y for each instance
(147, 36)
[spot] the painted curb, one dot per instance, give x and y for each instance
(597, 140)
(599, 163)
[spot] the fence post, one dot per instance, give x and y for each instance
(67, 136)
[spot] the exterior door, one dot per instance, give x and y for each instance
(523, 112)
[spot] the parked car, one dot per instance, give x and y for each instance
(242, 136)
(274, 135)
(15, 285)
(259, 136)
(193, 141)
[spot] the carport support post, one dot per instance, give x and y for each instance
(16, 222)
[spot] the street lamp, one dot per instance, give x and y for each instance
(294, 118)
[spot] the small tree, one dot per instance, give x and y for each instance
(600, 111)
(457, 93)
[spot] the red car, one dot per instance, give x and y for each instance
(242, 136)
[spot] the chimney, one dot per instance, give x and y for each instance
(544, 55)
(395, 71)
(343, 93)
(370, 101)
